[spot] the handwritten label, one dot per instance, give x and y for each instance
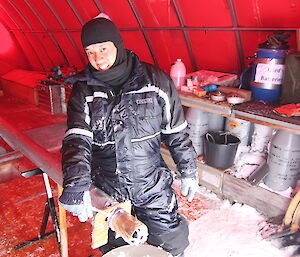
(269, 73)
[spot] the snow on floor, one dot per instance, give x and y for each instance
(224, 230)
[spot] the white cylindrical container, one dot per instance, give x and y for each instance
(215, 122)
(239, 128)
(198, 126)
(283, 161)
(260, 138)
(177, 73)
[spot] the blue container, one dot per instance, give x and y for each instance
(267, 74)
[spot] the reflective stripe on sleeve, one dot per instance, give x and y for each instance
(90, 99)
(175, 130)
(79, 131)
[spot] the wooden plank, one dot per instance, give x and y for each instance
(276, 124)
(20, 91)
(205, 104)
(236, 190)
(269, 203)
(63, 227)
(298, 39)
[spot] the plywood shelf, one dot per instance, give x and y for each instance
(236, 190)
(253, 111)
(225, 185)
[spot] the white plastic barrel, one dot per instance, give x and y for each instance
(240, 128)
(198, 126)
(216, 122)
(177, 73)
(283, 161)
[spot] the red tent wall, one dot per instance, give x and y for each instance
(11, 55)
(216, 34)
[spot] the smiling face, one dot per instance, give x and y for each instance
(102, 56)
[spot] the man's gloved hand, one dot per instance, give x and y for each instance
(189, 186)
(77, 203)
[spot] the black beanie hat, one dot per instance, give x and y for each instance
(100, 30)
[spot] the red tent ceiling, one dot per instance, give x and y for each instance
(215, 34)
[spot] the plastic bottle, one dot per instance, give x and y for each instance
(177, 73)
(210, 88)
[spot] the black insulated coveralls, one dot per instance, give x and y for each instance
(113, 141)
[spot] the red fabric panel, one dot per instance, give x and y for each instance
(41, 51)
(120, 13)
(29, 15)
(46, 14)
(19, 43)
(69, 50)
(6, 20)
(87, 9)
(66, 15)
(141, 49)
(79, 51)
(14, 15)
(212, 13)
(268, 13)
(168, 46)
(215, 50)
(11, 54)
(53, 52)
(27, 49)
(157, 13)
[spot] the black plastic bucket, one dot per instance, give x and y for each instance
(220, 149)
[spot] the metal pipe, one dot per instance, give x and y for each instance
(186, 35)
(76, 13)
(10, 156)
(47, 30)
(141, 28)
(36, 37)
(237, 35)
(65, 31)
(26, 38)
(34, 152)
(165, 29)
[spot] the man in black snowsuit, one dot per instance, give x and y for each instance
(119, 112)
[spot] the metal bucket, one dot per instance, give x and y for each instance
(220, 149)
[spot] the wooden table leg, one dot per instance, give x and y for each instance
(63, 226)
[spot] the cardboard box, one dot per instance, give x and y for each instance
(205, 77)
(211, 178)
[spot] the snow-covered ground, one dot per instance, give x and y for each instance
(219, 229)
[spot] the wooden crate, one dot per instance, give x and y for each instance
(236, 190)
(23, 92)
(269, 203)
(211, 178)
(52, 98)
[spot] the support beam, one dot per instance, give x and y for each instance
(37, 154)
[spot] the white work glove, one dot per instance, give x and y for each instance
(78, 204)
(189, 186)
